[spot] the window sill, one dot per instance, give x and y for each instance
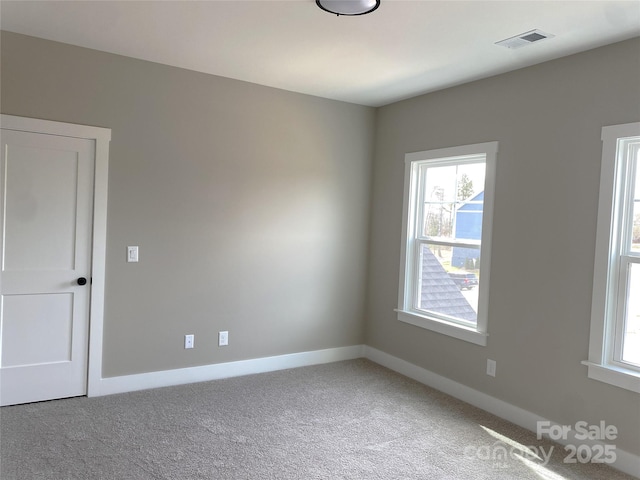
(460, 332)
(613, 375)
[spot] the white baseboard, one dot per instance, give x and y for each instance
(181, 376)
(626, 462)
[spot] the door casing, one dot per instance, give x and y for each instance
(102, 137)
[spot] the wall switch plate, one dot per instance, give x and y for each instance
(491, 368)
(132, 254)
(223, 339)
(188, 341)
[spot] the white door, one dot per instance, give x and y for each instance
(46, 204)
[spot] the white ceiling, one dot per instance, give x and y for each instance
(403, 49)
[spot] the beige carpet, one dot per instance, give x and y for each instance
(346, 420)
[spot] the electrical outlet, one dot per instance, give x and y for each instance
(188, 341)
(223, 339)
(491, 368)
(132, 254)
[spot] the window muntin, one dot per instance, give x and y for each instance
(448, 205)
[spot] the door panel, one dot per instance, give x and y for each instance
(46, 207)
(40, 197)
(39, 328)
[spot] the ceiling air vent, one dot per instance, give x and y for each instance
(526, 38)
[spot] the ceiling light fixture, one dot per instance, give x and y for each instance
(348, 7)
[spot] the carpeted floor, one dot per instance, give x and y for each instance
(346, 420)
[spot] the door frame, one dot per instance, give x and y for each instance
(101, 137)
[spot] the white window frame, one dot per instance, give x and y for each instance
(408, 276)
(610, 279)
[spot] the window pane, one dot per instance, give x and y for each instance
(631, 339)
(470, 181)
(446, 289)
(438, 220)
(635, 237)
(439, 201)
(453, 201)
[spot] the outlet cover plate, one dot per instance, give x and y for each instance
(491, 368)
(132, 254)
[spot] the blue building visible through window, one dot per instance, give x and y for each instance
(468, 225)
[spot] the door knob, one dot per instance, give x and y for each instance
(82, 281)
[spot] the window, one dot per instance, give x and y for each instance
(614, 346)
(444, 275)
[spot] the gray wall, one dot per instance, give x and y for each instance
(548, 120)
(250, 205)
